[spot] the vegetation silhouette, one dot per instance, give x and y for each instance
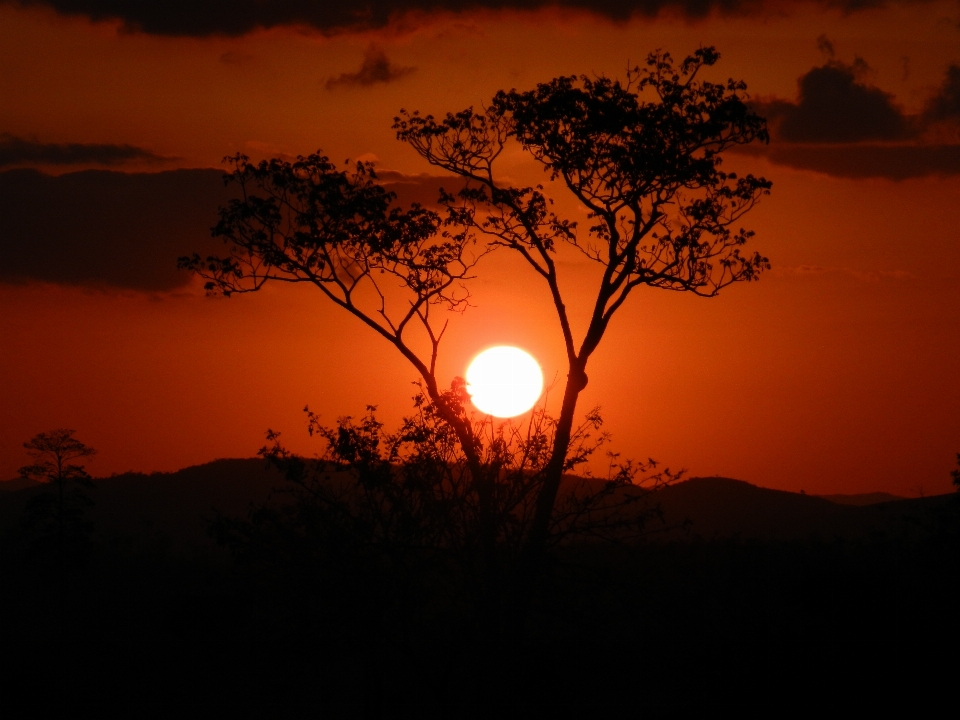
(279, 631)
(393, 521)
(642, 157)
(54, 521)
(54, 533)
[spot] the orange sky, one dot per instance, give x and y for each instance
(836, 373)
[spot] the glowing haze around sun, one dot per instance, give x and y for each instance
(504, 381)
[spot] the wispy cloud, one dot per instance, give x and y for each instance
(19, 151)
(376, 68)
(871, 276)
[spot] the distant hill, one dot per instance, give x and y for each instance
(176, 507)
(17, 484)
(726, 560)
(862, 499)
(716, 507)
(168, 506)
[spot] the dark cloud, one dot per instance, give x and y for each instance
(835, 106)
(844, 127)
(825, 46)
(106, 228)
(236, 17)
(17, 151)
(126, 230)
(945, 104)
(894, 162)
(376, 68)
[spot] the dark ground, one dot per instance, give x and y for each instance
(761, 590)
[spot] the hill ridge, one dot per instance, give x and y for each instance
(179, 504)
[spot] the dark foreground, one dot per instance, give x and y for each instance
(157, 615)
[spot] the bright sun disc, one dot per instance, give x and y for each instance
(504, 381)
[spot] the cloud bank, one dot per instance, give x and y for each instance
(105, 228)
(110, 229)
(237, 17)
(894, 162)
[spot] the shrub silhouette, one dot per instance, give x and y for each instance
(392, 529)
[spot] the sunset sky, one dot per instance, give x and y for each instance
(837, 372)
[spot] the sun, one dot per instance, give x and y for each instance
(504, 381)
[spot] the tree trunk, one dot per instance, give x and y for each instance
(553, 474)
(532, 552)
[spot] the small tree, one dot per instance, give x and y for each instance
(644, 159)
(56, 518)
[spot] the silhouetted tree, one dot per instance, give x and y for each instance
(955, 474)
(647, 172)
(54, 520)
(642, 157)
